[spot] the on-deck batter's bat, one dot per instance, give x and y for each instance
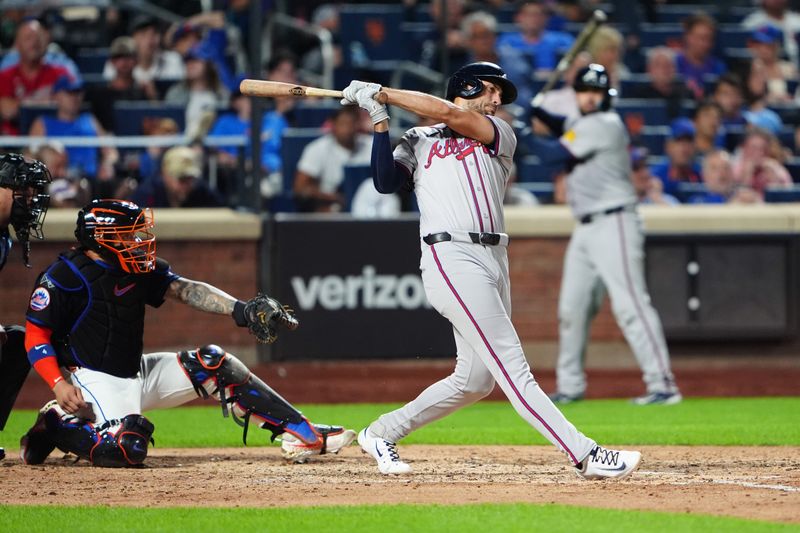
(598, 18)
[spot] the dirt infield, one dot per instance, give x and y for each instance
(757, 483)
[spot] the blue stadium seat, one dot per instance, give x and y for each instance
(30, 112)
(292, 144)
(660, 34)
(312, 114)
(732, 36)
(654, 138)
(793, 166)
(531, 170)
(687, 190)
(129, 116)
(354, 176)
(91, 60)
(674, 14)
(375, 28)
(782, 195)
(654, 112)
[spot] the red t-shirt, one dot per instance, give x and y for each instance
(14, 85)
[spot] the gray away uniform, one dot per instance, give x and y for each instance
(605, 253)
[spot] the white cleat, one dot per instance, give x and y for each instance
(384, 452)
(332, 440)
(602, 463)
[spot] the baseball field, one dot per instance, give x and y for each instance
(710, 464)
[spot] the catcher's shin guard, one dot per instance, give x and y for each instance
(115, 443)
(213, 372)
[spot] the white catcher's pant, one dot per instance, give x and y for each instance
(608, 254)
(161, 383)
(469, 285)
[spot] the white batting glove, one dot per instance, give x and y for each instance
(350, 91)
(366, 100)
(538, 100)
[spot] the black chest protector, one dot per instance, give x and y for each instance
(103, 308)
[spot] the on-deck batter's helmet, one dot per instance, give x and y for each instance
(466, 82)
(594, 77)
(27, 181)
(119, 231)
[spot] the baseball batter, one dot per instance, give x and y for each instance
(86, 314)
(606, 251)
(459, 170)
(23, 205)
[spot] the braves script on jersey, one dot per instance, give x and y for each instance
(459, 182)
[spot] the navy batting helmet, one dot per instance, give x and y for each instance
(595, 78)
(466, 82)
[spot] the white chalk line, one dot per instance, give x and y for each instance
(739, 483)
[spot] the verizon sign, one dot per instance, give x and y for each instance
(356, 287)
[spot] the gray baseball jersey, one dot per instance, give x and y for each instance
(601, 179)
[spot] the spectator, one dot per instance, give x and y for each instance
(695, 61)
(29, 81)
(369, 203)
(69, 121)
(152, 63)
(767, 68)
(480, 35)
(122, 86)
(180, 184)
(320, 170)
(649, 189)
(325, 16)
(754, 168)
(681, 166)
(540, 46)
(709, 133)
(777, 13)
(205, 29)
(729, 96)
(201, 92)
(54, 55)
(282, 66)
(67, 189)
(719, 183)
(431, 53)
(606, 48)
(664, 83)
(150, 159)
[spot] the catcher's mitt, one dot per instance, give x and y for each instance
(262, 315)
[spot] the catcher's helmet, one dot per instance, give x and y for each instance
(466, 82)
(28, 182)
(594, 77)
(119, 231)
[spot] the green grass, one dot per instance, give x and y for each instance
(387, 519)
(700, 421)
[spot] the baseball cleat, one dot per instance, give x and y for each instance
(36, 444)
(602, 463)
(384, 452)
(658, 398)
(563, 399)
(332, 440)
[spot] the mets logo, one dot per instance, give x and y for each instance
(40, 299)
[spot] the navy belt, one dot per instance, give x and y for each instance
(587, 219)
(491, 239)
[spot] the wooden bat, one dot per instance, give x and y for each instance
(272, 89)
(598, 18)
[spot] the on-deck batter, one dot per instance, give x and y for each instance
(606, 251)
(459, 170)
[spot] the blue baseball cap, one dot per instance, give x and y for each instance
(198, 51)
(66, 83)
(682, 128)
(768, 34)
(638, 156)
(765, 119)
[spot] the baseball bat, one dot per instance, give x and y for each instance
(272, 89)
(598, 18)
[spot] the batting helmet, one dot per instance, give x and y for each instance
(595, 78)
(27, 181)
(466, 82)
(119, 231)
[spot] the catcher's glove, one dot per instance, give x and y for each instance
(263, 315)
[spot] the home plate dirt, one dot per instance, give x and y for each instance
(748, 482)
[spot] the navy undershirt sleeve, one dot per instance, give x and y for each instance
(555, 123)
(387, 176)
(552, 152)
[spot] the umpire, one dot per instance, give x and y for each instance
(23, 204)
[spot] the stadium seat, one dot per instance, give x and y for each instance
(293, 142)
(660, 35)
(312, 114)
(531, 170)
(354, 176)
(30, 112)
(652, 112)
(674, 14)
(782, 195)
(130, 116)
(687, 190)
(91, 60)
(654, 138)
(732, 36)
(374, 30)
(793, 166)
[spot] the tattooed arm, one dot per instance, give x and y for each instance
(202, 296)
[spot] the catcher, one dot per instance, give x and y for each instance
(86, 314)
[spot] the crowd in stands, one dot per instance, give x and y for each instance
(709, 93)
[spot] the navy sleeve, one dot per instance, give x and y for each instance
(159, 280)
(555, 123)
(551, 152)
(387, 176)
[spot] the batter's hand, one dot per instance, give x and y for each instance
(538, 100)
(69, 398)
(350, 91)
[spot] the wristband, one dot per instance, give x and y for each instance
(238, 314)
